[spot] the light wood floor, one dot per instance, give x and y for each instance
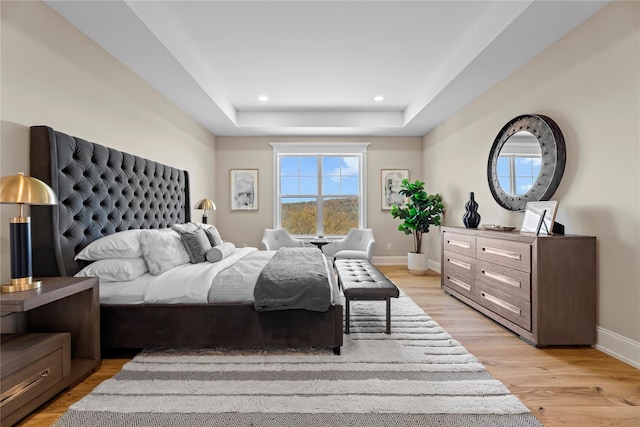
(561, 386)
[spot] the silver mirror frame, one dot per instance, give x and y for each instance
(554, 157)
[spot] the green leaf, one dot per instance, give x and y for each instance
(421, 211)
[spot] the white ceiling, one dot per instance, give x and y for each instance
(321, 63)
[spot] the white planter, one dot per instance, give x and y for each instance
(418, 263)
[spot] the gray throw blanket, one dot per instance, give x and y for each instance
(295, 278)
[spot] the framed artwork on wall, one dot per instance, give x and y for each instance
(390, 180)
(243, 189)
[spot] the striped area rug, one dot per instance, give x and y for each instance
(417, 376)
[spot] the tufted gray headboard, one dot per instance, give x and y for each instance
(101, 191)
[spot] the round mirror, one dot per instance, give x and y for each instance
(526, 161)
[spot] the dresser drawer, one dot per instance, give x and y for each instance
(504, 252)
(459, 263)
(32, 364)
(508, 306)
(459, 243)
(458, 282)
(511, 281)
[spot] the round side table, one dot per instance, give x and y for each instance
(319, 243)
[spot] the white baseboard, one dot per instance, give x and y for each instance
(389, 260)
(402, 260)
(618, 346)
(435, 265)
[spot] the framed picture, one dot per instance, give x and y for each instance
(244, 189)
(539, 217)
(390, 180)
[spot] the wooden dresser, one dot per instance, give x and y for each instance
(541, 287)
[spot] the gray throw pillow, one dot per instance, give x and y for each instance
(213, 235)
(197, 244)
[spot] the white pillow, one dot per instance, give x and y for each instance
(115, 269)
(183, 228)
(162, 250)
(123, 244)
(220, 252)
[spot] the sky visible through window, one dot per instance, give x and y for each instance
(299, 175)
(525, 173)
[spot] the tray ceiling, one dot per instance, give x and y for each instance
(322, 63)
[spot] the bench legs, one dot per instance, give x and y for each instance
(347, 314)
(388, 331)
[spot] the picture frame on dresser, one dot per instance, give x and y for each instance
(539, 217)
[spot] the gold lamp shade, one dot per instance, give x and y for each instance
(20, 189)
(23, 190)
(206, 205)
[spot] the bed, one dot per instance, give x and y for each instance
(103, 191)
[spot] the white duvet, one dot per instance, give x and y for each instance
(189, 283)
(202, 283)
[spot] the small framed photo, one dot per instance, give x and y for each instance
(390, 180)
(244, 189)
(539, 217)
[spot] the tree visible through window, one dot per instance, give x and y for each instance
(319, 194)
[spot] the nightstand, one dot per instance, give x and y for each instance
(50, 340)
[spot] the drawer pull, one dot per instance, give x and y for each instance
(459, 283)
(503, 279)
(464, 265)
(24, 386)
(502, 253)
(499, 302)
(459, 244)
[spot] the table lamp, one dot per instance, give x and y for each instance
(206, 205)
(23, 190)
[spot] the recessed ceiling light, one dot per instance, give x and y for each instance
(379, 98)
(263, 98)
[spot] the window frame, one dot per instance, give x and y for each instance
(319, 149)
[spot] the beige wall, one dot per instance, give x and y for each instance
(51, 74)
(588, 82)
(246, 227)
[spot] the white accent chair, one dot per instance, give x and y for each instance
(276, 238)
(359, 243)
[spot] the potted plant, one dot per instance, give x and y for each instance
(421, 211)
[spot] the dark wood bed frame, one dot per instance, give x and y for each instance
(102, 191)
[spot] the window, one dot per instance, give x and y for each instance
(319, 188)
(517, 174)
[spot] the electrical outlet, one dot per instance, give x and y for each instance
(388, 246)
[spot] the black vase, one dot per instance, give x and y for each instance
(471, 217)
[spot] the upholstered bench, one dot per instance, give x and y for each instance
(361, 280)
